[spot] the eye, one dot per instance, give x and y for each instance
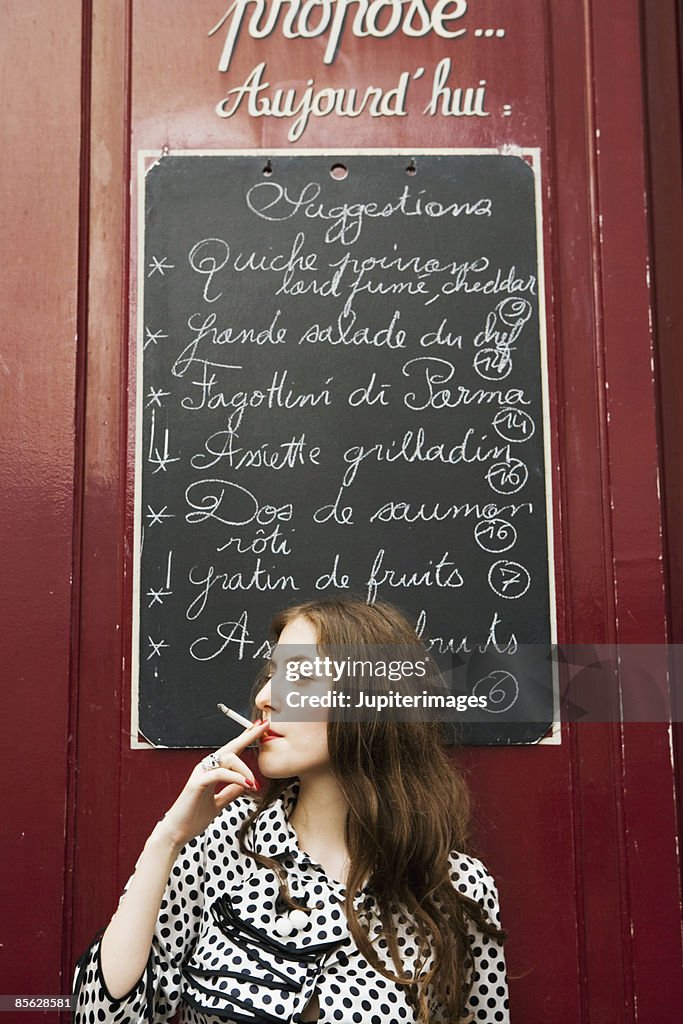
(303, 681)
(299, 674)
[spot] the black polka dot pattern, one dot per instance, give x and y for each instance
(221, 952)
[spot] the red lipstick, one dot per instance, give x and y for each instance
(271, 734)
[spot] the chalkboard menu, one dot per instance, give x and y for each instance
(341, 390)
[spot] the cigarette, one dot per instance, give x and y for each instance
(235, 716)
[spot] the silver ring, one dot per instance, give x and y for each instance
(210, 762)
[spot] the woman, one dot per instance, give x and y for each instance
(340, 891)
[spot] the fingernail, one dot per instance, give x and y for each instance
(248, 782)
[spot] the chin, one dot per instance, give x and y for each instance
(269, 767)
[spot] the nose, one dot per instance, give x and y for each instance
(262, 700)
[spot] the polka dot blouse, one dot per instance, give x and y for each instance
(226, 950)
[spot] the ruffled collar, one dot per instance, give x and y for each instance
(274, 836)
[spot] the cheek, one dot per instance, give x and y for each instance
(310, 744)
(305, 749)
(318, 738)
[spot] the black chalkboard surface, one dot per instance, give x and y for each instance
(340, 390)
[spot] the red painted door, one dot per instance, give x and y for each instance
(40, 368)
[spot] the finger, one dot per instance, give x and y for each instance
(236, 764)
(244, 739)
(215, 775)
(227, 795)
(232, 762)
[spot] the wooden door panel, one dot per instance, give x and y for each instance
(580, 835)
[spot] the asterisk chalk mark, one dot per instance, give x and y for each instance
(155, 397)
(152, 337)
(162, 461)
(156, 647)
(160, 264)
(154, 455)
(158, 517)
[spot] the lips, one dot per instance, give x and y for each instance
(271, 734)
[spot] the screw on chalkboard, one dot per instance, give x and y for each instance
(268, 169)
(338, 171)
(165, 149)
(411, 168)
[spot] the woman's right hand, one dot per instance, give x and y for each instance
(198, 803)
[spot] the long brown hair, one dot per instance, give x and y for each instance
(408, 810)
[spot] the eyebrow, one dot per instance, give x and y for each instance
(291, 657)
